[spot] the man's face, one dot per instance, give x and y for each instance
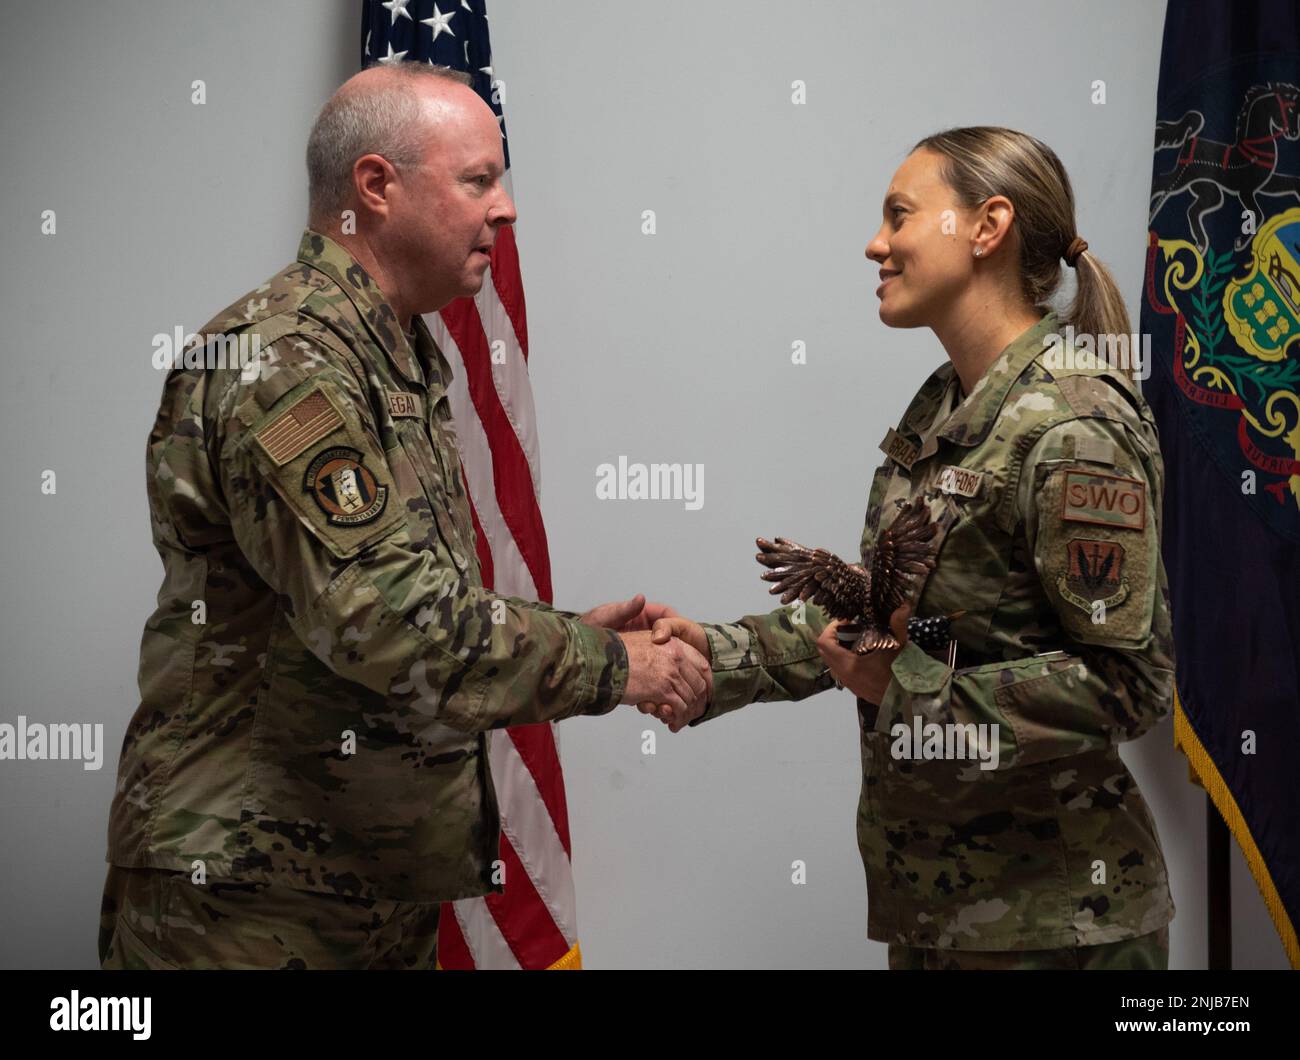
(446, 213)
(924, 251)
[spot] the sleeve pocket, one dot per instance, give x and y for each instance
(1097, 550)
(312, 448)
(1040, 710)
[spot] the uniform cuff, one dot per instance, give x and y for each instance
(730, 649)
(914, 673)
(604, 669)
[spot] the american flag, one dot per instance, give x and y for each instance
(533, 924)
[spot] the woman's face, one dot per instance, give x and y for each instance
(924, 246)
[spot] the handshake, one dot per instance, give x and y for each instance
(669, 672)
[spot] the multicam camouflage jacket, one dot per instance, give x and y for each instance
(1046, 483)
(324, 660)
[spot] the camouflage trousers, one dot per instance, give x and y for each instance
(159, 919)
(1145, 953)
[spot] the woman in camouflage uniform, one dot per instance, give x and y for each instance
(997, 824)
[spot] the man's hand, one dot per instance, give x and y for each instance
(625, 616)
(867, 676)
(665, 629)
(669, 672)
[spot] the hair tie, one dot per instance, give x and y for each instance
(1077, 246)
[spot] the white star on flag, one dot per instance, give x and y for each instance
(439, 22)
(392, 56)
(397, 7)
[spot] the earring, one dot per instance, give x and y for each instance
(979, 251)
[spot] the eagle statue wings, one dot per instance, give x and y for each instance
(848, 591)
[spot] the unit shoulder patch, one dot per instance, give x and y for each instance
(1093, 574)
(343, 487)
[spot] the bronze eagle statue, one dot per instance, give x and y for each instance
(848, 591)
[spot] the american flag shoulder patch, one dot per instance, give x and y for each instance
(307, 420)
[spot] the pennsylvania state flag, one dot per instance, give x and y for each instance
(1222, 307)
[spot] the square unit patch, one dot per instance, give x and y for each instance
(1094, 573)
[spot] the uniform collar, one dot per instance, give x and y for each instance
(920, 415)
(971, 420)
(327, 256)
(437, 369)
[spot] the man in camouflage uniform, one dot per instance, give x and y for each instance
(306, 777)
(1045, 482)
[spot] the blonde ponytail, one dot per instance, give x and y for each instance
(1098, 307)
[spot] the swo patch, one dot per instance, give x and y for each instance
(343, 487)
(1104, 500)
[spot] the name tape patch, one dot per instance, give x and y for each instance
(960, 480)
(899, 449)
(403, 404)
(306, 421)
(1105, 500)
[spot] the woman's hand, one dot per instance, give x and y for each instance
(866, 676)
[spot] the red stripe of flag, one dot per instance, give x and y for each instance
(513, 479)
(536, 746)
(535, 743)
(481, 546)
(524, 919)
(509, 283)
(452, 950)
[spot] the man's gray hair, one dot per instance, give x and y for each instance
(382, 120)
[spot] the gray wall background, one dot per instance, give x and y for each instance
(674, 347)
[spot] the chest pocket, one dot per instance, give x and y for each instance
(900, 478)
(447, 449)
(428, 450)
(960, 501)
(879, 485)
(973, 558)
(945, 511)
(892, 479)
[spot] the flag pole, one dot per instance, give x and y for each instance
(1218, 877)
